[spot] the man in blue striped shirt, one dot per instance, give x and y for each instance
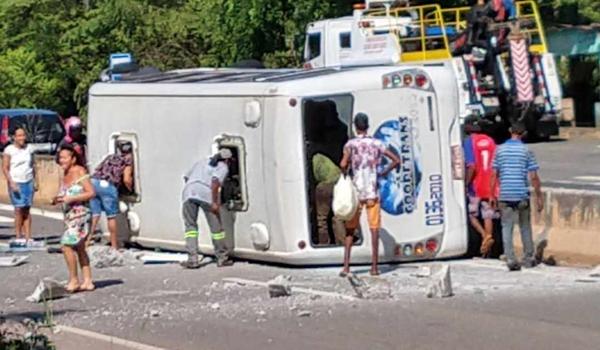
(513, 166)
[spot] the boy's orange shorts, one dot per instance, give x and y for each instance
(373, 215)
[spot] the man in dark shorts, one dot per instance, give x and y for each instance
(479, 152)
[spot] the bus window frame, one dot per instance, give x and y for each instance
(236, 141)
(136, 196)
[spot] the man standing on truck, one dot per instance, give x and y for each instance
(513, 166)
(479, 152)
(363, 155)
(202, 188)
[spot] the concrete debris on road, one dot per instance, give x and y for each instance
(12, 261)
(47, 289)
(423, 272)
(359, 286)
(595, 272)
(104, 256)
(280, 286)
(304, 313)
(440, 284)
(215, 306)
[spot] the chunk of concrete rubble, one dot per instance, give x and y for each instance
(12, 261)
(359, 286)
(595, 272)
(215, 306)
(104, 256)
(440, 284)
(423, 272)
(304, 313)
(47, 289)
(280, 286)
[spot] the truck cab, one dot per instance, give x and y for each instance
(328, 42)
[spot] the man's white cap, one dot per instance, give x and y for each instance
(225, 153)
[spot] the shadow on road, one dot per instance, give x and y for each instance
(36, 315)
(107, 283)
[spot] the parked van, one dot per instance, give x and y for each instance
(274, 120)
(44, 128)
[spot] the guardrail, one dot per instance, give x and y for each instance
(426, 37)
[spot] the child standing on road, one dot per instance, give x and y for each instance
(75, 192)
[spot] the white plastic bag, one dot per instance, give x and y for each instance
(345, 199)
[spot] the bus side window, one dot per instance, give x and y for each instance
(345, 42)
(135, 195)
(234, 190)
(314, 45)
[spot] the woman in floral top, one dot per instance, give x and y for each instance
(76, 190)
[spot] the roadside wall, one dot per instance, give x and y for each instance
(48, 174)
(572, 218)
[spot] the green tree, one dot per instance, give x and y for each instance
(25, 82)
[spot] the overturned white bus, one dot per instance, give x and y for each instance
(271, 119)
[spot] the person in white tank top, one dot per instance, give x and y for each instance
(18, 169)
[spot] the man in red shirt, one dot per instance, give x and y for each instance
(479, 153)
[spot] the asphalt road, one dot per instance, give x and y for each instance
(171, 308)
(572, 164)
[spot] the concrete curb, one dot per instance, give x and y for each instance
(579, 133)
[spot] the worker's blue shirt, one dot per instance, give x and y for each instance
(469, 160)
(513, 162)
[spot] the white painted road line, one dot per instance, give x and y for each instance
(56, 215)
(107, 338)
(588, 178)
(6, 220)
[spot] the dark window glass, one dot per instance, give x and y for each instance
(314, 45)
(345, 42)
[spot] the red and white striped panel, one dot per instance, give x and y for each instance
(519, 55)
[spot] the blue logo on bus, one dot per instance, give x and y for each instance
(399, 190)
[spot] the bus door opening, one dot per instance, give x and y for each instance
(327, 128)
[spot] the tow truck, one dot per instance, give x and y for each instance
(509, 76)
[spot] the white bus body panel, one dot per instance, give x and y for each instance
(176, 124)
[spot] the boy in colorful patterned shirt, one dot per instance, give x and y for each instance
(363, 154)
